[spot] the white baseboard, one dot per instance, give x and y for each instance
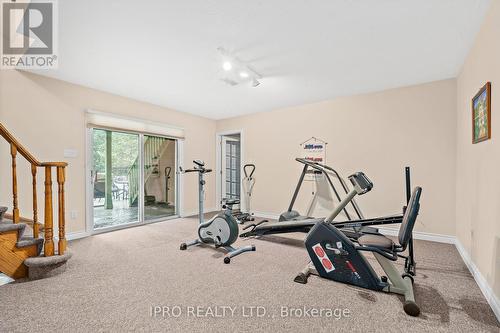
(265, 215)
(428, 236)
(487, 291)
(82, 234)
(76, 235)
(191, 213)
(385, 231)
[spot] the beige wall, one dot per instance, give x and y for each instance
(478, 166)
(378, 134)
(427, 127)
(47, 116)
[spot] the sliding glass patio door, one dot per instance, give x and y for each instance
(133, 178)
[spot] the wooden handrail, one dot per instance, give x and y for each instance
(54, 164)
(17, 148)
(20, 148)
(24, 152)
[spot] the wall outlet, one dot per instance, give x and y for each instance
(73, 214)
(70, 153)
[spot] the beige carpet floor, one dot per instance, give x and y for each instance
(115, 280)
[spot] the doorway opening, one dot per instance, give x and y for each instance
(229, 167)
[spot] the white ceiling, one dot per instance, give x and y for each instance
(165, 52)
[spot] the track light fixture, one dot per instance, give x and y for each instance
(235, 71)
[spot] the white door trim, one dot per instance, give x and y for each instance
(224, 140)
(218, 166)
(89, 212)
(179, 179)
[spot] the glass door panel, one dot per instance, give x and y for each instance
(159, 177)
(232, 169)
(115, 178)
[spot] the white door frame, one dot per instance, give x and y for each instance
(224, 141)
(89, 195)
(179, 180)
(218, 166)
(89, 191)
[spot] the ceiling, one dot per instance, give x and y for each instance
(165, 52)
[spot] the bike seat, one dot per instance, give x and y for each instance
(232, 201)
(378, 241)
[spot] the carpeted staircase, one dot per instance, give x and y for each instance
(21, 255)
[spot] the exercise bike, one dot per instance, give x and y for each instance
(335, 257)
(221, 230)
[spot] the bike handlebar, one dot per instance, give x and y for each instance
(195, 170)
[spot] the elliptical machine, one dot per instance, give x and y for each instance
(221, 230)
(248, 184)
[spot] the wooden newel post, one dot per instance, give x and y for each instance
(36, 226)
(15, 208)
(61, 178)
(49, 223)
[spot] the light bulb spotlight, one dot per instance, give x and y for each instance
(227, 66)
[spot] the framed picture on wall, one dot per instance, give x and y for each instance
(481, 114)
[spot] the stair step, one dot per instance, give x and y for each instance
(6, 221)
(42, 267)
(12, 256)
(28, 231)
(2, 212)
(47, 261)
(19, 227)
(29, 241)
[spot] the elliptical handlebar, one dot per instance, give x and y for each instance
(312, 164)
(318, 166)
(250, 165)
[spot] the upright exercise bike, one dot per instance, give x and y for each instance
(221, 230)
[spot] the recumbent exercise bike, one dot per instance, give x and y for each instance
(335, 257)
